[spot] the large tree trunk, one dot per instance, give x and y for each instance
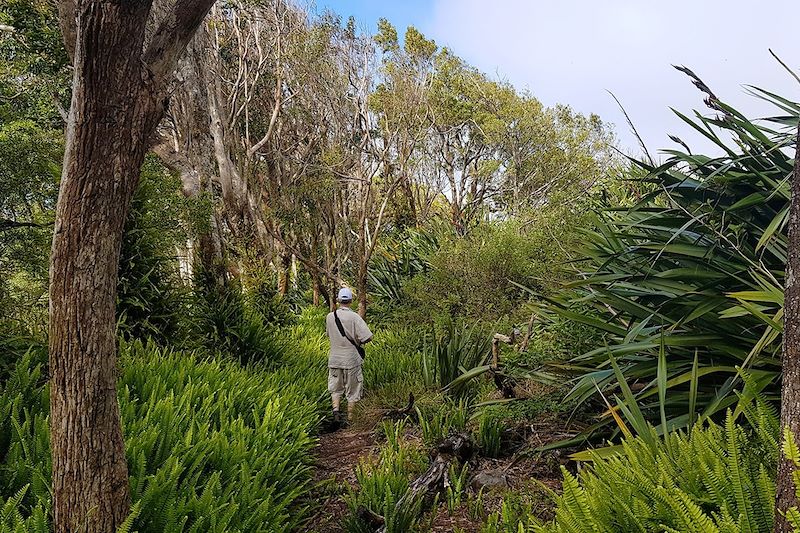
(105, 149)
(790, 390)
(116, 104)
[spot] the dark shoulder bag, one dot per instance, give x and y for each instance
(340, 327)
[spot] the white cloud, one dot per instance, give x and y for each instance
(572, 51)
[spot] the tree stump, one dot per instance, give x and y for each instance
(457, 447)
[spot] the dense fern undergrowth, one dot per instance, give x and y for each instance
(212, 445)
(663, 285)
(711, 479)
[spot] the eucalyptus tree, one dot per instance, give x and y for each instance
(466, 163)
(241, 73)
(400, 101)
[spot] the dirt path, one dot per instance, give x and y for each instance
(337, 455)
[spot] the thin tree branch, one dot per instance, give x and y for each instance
(7, 224)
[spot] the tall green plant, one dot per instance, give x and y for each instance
(694, 268)
(452, 354)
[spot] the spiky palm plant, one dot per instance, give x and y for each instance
(398, 260)
(696, 266)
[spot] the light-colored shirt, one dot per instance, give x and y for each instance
(343, 354)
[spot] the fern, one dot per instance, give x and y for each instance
(711, 480)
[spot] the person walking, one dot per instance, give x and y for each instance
(348, 333)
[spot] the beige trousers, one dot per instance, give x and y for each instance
(347, 382)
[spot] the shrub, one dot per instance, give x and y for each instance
(397, 261)
(235, 438)
(15, 342)
(225, 323)
(477, 276)
(24, 447)
(30, 158)
(274, 309)
(151, 297)
(392, 357)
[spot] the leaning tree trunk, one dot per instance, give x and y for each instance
(790, 389)
(117, 100)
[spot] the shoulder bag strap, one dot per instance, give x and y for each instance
(340, 327)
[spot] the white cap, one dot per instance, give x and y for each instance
(345, 295)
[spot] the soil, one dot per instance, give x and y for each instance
(337, 455)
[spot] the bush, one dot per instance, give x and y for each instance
(224, 322)
(262, 291)
(151, 297)
(397, 260)
(476, 276)
(437, 421)
(30, 159)
(24, 447)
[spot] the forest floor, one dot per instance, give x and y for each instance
(337, 455)
(521, 476)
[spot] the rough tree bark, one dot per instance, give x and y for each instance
(117, 101)
(790, 389)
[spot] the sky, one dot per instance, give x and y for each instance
(575, 51)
